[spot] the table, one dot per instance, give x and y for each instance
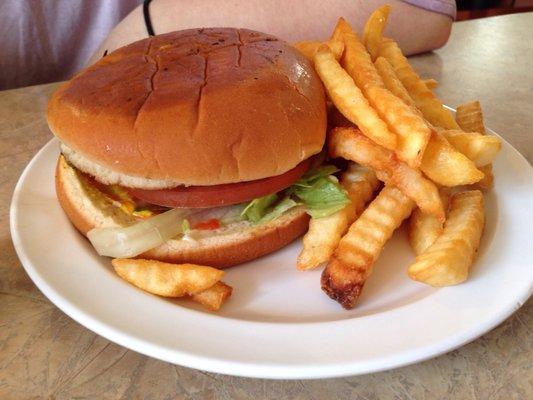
(43, 353)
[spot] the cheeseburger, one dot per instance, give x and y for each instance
(197, 146)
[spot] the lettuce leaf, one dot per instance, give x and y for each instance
(257, 208)
(318, 190)
(284, 205)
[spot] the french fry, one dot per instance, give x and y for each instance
(426, 101)
(325, 233)
(350, 144)
(392, 82)
(412, 130)
(470, 117)
(444, 165)
(448, 260)
(335, 43)
(374, 27)
(424, 229)
(214, 297)
(430, 83)
(308, 48)
(349, 99)
(352, 263)
(481, 149)
(487, 183)
(164, 279)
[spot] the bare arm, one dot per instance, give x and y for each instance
(415, 29)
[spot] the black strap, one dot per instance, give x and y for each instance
(147, 19)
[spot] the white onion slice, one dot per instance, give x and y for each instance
(152, 232)
(140, 237)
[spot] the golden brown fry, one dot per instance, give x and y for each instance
(349, 100)
(412, 130)
(335, 43)
(345, 275)
(447, 261)
(470, 117)
(424, 229)
(325, 233)
(164, 279)
(444, 165)
(374, 27)
(430, 83)
(487, 183)
(308, 48)
(481, 149)
(214, 297)
(392, 82)
(350, 144)
(425, 99)
(356, 60)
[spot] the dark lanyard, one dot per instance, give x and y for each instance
(147, 19)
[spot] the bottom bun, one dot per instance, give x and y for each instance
(88, 208)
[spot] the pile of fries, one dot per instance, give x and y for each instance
(410, 158)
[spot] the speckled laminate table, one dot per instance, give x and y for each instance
(45, 354)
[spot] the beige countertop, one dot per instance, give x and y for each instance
(45, 354)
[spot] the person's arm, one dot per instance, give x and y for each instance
(416, 30)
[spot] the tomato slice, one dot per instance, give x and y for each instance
(219, 195)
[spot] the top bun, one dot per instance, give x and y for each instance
(194, 107)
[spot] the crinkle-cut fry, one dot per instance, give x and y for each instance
(349, 100)
(487, 183)
(424, 229)
(325, 233)
(470, 117)
(214, 297)
(392, 82)
(413, 131)
(446, 166)
(350, 144)
(335, 42)
(426, 101)
(430, 83)
(308, 48)
(356, 60)
(164, 279)
(374, 27)
(410, 127)
(481, 149)
(352, 263)
(448, 260)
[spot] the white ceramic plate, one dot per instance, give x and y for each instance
(278, 323)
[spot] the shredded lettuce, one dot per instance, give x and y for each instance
(313, 175)
(185, 226)
(318, 190)
(284, 205)
(257, 208)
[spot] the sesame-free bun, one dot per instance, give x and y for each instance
(88, 208)
(193, 107)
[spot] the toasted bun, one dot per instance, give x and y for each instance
(88, 208)
(194, 107)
